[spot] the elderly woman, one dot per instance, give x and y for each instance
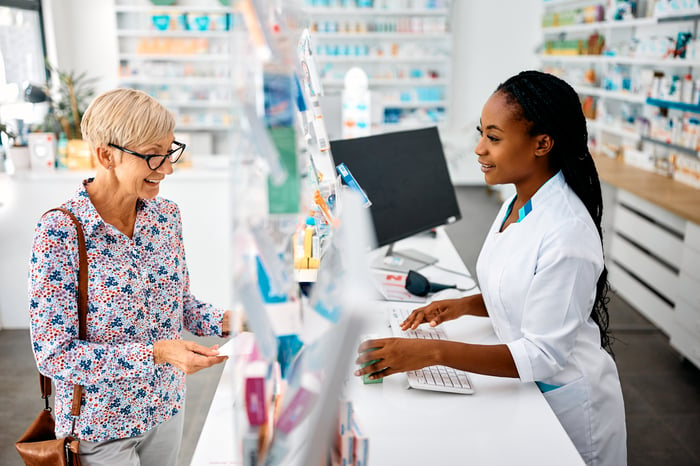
(132, 366)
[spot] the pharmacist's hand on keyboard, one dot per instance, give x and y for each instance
(435, 313)
(393, 355)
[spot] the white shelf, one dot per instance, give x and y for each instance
(615, 129)
(385, 59)
(171, 33)
(202, 127)
(617, 95)
(339, 11)
(199, 104)
(630, 23)
(186, 57)
(175, 80)
(150, 8)
(583, 59)
(571, 3)
(411, 36)
(415, 104)
(391, 82)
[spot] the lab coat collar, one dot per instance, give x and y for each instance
(551, 185)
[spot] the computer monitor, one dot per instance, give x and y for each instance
(405, 176)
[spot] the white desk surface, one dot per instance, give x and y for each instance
(504, 422)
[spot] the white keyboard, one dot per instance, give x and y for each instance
(437, 378)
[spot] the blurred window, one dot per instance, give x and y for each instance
(22, 59)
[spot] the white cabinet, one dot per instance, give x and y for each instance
(644, 257)
(686, 335)
(653, 260)
(405, 51)
(182, 54)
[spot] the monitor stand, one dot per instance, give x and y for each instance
(403, 260)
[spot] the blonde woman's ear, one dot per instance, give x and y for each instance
(103, 155)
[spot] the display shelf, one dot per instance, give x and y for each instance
(203, 127)
(616, 95)
(671, 146)
(181, 54)
(623, 24)
(585, 27)
(227, 104)
(176, 80)
(673, 105)
(186, 57)
(175, 33)
(341, 11)
(398, 48)
(147, 7)
(383, 59)
(411, 36)
(570, 3)
(414, 104)
(615, 129)
(391, 82)
(631, 72)
(694, 16)
(612, 59)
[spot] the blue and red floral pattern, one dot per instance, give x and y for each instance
(138, 293)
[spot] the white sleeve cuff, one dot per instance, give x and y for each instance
(521, 359)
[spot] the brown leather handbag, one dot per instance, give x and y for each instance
(38, 445)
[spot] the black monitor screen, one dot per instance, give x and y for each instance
(405, 176)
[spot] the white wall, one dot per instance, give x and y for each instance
(81, 36)
(492, 40)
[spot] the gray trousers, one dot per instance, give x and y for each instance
(157, 447)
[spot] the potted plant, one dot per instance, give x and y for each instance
(70, 97)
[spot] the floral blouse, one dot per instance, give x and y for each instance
(138, 293)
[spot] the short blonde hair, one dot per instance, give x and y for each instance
(125, 117)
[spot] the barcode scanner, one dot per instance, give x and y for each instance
(419, 285)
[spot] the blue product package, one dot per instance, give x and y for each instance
(287, 348)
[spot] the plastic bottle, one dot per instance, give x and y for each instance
(62, 152)
(687, 89)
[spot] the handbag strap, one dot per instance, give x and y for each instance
(44, 381)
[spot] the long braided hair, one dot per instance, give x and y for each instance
(552, 107)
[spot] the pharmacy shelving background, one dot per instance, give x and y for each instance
(637, 71)
(404, 46)
(182, 54)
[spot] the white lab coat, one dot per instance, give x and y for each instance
(538, 279)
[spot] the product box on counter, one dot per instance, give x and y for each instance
(687, 170)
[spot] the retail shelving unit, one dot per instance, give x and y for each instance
(405, 52)
(652, 221)
(617, 103)
(182, 54)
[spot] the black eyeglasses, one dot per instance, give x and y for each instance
(155, 161)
